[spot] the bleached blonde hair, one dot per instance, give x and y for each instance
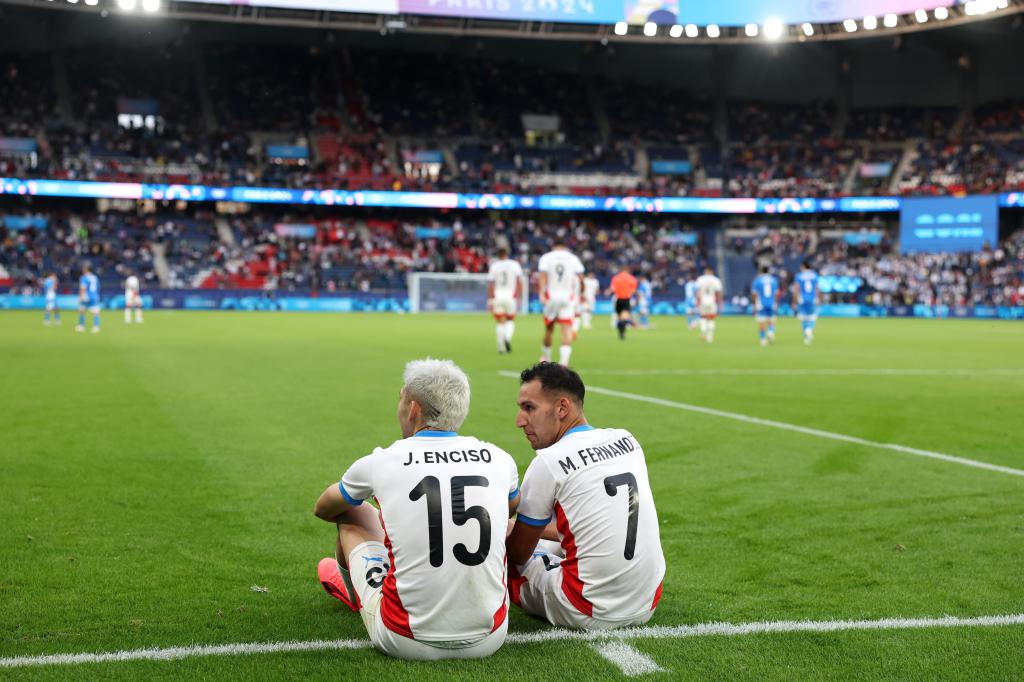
(442, 390)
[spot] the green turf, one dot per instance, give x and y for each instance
(152, 474)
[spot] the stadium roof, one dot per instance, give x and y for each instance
(656, 30)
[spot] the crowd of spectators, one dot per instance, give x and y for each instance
(992, 276)
(355, 110)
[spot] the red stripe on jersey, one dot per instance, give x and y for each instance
(657, 596)
(392, 611)
(572, 586)
(499, 615)
(515, 585)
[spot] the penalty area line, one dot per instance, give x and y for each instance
(808, 431)
(555, 635)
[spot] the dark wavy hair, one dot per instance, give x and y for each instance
(555, 378)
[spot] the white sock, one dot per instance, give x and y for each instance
(545, 353)
(510, 329)
(703, 327)
(575, 325)
(563, 355)
(586, 320)
(138, 314)
(499, 332)
(711, 330)
(128, 315)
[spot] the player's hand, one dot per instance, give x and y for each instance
(490, 304)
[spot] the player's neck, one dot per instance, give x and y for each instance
(570, 425)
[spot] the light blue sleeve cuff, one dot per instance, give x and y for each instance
(533, 522)
(348, 498)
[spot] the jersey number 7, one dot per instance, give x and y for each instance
(611, 486)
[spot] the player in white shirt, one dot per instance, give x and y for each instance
(425, 568)
(587, 489)
(709, 302)
(132, 299)
(561, 275)
(590, 288)
(504, 291)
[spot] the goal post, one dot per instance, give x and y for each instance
(454, 292)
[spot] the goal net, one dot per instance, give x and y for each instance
(453, 292)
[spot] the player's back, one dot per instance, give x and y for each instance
(708, 287)
(91, 283)
(563, 269)
(443, 502)
(807, 286)
(766, 287)
(505, 274)
(50, 286)
(131, 283)
(607, 522)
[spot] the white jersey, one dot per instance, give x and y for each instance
(443, 502)
(563, 270)
(590, 289)
(594, 484)
(131, 285)
(505, 274)
(708, 288)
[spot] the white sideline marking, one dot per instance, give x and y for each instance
(630, 661)
(801, 429)
(796, 372)
(645, 632)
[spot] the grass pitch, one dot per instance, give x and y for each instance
(152, 475)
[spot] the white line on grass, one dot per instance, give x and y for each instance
(800, 429)
(646, 632)
(801, 372)
(627, 659)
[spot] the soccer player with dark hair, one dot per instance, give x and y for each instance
(585, 550)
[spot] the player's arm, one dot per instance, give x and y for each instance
(490, 292)
(542, 285)
(331, 504)
(535, 510)
(354, 487)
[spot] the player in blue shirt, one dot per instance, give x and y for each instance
(805, 296)
(692, 316)
(88, 298)
(644, 298)
(50, 292)
(766, 294)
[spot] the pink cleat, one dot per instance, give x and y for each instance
(334, 582)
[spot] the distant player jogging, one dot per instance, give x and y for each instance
(692, 314)
(599, 565)
(504, 291)
(805, 295)
(709, 303)
(425, 569)
(644, 300)
(88, 299)
(50, 298)
(561, 275)
(132, 299)
(591, 287)
(765, 290)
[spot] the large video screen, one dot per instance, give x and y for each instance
(948, 224)
(702, 13)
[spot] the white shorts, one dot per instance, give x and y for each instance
(559, 310)
(765, 318)
(588, 306)
(708, 309)
(538, 591)
(804, 317)
(503, 305)
(132, 298)
(368, 565)
(51, 303)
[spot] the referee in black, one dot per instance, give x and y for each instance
(623, 285)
